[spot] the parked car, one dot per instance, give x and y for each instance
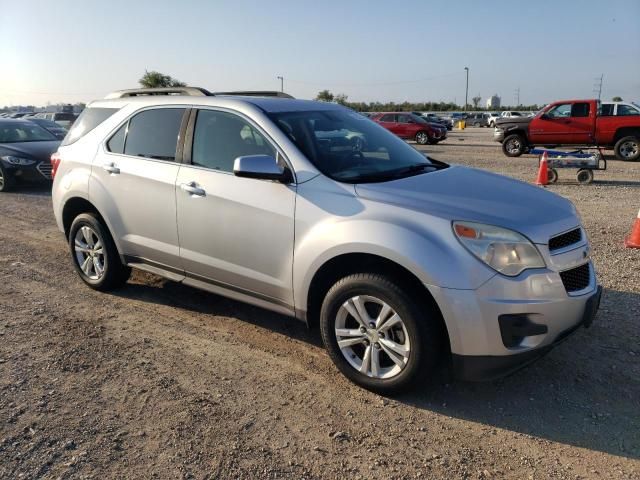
(456, 117)
(20, 114)
(477, 120)
(402, 260)
(510, 114)
(64, 119)
(25, 151)
(492, 118)
(52, 127)
(432, 117)
(411, 127)
(571, 122)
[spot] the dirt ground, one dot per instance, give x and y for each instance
(158, 380)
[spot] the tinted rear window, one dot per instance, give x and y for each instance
(89, 119)
(154, 133)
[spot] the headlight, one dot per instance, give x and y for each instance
(504, 250)
(18, 160)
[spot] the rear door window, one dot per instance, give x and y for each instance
(154, 134)
(89, 119)
(606, 109)
(388, 118)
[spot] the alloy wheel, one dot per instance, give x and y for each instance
(372, 337)
(422, 138)
(513, 146)
(89, 252)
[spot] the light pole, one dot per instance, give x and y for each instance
(466, 92)
(281, 83)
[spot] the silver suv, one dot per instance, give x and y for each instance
(314, 211)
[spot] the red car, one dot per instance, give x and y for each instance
(572, 122)
(411, 127)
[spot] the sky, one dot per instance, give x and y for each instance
(415, 50)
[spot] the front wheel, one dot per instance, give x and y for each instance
(514, 145)
(377, 334)
(627, 149)
(422, 138)
(6, 180)
(94, 254)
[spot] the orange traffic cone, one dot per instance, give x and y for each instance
(633, 240)
(543, 171)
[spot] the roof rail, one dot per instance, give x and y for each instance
(256, 93)
(138, 92)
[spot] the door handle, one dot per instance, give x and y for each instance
(192, 189)
(111, 168)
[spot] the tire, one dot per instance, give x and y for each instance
(584, 176)
(492, 124)
(416, 331)
(552, 175)
(433, 141)
(104, 271)
(628, 149)
(6, 180)
(514, 145)
(422, 138)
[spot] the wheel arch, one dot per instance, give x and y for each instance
(626, 132)
(346, 264)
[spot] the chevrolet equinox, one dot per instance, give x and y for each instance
(314, 211)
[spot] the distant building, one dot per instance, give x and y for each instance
(493, 102)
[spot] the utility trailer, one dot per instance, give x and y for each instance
(584, 162)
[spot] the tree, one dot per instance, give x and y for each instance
(155, 79)
(616, 99)
(476, 101)
(341, 98)
(325, 96)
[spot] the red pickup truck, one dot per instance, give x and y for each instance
(571, 122)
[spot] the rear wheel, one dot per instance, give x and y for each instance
(552, 175)
(628, 149)
(514, 145)
(6, 180)
(377, 334)
(422, 138)
(94, 254)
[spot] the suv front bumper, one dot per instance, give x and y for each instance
(498, 134)
(540, 310)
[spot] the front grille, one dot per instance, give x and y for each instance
(45, 169)
(576, 278)
(565, 239)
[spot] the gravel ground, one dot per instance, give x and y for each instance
(158, 380)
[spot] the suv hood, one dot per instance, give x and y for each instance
(461, 193)
(37, 150)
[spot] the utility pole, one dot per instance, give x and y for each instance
(281, 83)
(597, 87)
(516, 94)
(466, 93)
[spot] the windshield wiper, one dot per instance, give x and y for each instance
(402, 172)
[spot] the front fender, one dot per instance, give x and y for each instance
(433, 255)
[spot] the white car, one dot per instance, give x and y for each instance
(491, 119)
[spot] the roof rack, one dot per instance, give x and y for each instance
(256, 93)
(192, 92)
(139, 92)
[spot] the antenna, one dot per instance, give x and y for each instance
(597, 87)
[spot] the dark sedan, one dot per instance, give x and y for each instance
(50, 126)
(25, 151)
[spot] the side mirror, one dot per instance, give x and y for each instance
(263, 167)
(544, 116)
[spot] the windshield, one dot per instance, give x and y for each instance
(350, 148)
(11, 132)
